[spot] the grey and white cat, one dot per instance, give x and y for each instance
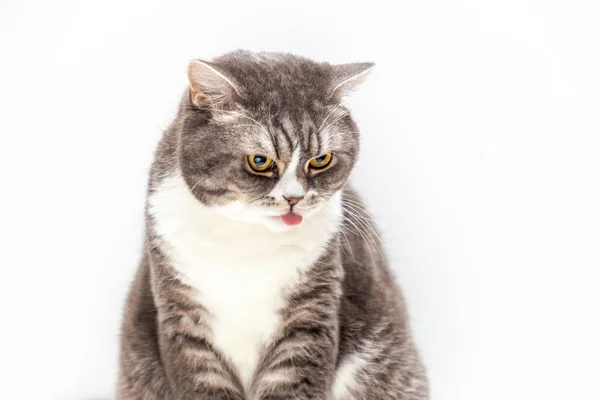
(262, 276)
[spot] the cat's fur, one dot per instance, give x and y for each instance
(229, 302)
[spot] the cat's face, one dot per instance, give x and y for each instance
(265, 138)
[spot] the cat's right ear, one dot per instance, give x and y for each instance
(209, 87)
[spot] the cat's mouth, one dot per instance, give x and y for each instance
(289, 219)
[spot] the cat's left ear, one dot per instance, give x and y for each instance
(209, 87)
(348, 77)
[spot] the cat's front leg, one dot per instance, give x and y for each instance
(300, 364)
(196, 370)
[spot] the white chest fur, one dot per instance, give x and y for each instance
(241, 270)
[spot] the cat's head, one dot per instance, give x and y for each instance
(264, 137)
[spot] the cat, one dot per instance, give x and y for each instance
(263, 275)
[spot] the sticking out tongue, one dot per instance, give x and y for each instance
(291, 219)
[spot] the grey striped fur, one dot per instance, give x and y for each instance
(347, 308)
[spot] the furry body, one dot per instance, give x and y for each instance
(229, 303)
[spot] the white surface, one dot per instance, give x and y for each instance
(480, 158)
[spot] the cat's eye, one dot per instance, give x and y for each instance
(260, 163)
(321, 161)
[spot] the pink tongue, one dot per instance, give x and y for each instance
(291, 219)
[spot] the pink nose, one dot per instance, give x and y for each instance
(292, 201)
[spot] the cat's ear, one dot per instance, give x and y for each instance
(348, 77)
(209, 87)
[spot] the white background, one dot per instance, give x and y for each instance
(480, 129)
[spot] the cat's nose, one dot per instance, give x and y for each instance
(292, 201)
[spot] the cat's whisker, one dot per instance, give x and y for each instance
(349, 244)
(359, 208)
(357, 211)
(359, 204)
(195, 185)
(360, 212)
(340, 244)
(367, 233)
(327, 117)
(244, 126)
(349, 230)
(329, 125)
(371, 232)
(370, 237)
(368, 218)
(353, 196)
(326, 132)
(360, 232)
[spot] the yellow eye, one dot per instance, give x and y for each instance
(259, 163)
(321, 161)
